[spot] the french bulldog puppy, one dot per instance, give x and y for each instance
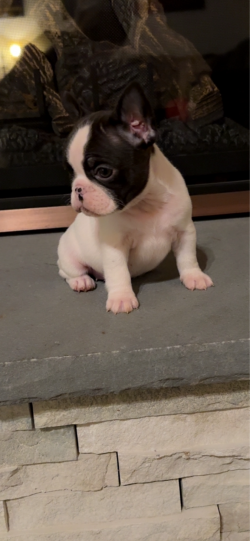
(133, 205)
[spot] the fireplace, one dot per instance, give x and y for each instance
(61, 59)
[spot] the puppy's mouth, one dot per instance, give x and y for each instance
(92, 203)
(80, 207)
(88, 212)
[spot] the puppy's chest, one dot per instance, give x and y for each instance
(154, 230)
(149, 244)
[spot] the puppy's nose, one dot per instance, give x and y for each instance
(79, 193)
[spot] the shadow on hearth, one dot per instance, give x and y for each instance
(167, 270)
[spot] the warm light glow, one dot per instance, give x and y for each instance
(15, 50)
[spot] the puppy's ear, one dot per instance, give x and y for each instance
(135, 117)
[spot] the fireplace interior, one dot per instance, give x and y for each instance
(61, 59)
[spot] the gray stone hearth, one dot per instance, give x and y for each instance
(130, 426)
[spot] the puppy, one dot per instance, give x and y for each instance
(133, 205)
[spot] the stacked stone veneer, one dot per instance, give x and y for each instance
(168, 465)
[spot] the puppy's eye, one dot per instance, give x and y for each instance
(104, 173)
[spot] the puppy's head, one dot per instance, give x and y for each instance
(109, 154)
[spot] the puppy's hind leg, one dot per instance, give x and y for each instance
(74, 272)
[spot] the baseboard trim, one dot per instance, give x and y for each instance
(31, 219)
(36, 219)
(217, 204)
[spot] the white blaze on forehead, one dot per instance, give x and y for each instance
(76, 148)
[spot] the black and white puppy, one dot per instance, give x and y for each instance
(133, 205)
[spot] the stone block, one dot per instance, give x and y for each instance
(137, 468)
(235, 536)
(172, 432)
(68, 509)
(16, 417)
(142, 403)
(3, 518)
(235, 517)
(189, 525)
(228, 487)
(89, 473)
(174, 446)
(37, 446)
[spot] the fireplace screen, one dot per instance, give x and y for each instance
(61, 59)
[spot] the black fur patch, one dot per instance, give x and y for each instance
(123, 141)
(130, 164)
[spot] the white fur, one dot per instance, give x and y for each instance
(135, 240)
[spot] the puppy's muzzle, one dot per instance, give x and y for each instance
(79, 193)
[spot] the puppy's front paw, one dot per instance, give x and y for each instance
(122, 302)
(82, 283)
(196, 279)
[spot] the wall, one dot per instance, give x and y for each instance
(148, 466)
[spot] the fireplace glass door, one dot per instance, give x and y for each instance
(62, 59)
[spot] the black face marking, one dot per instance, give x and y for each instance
(120, 143)
(104, 172)
(114, 164)
(117, 153)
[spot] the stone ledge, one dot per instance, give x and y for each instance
(171, 447)
(154, 347)
(93, 373)
(170, 432)
(227, 487)
(37, 446)
(165, 465)
(235, 517)
(15, 417)
(65, 508)
(141, 403)
(88, 473)
(233, 536)
(201, 524)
